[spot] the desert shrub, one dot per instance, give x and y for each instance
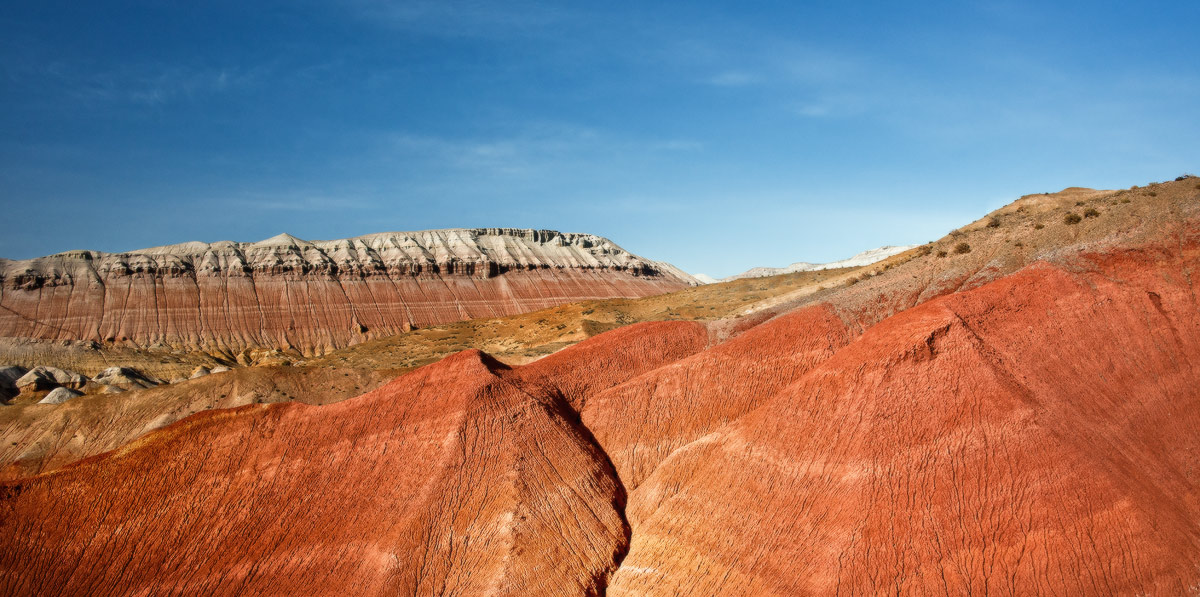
(1078, 203)
(993, 223)
(924, 251)
(1126, 200)
(962, 248)
(1038, 226)
(1091, 213)
(1072, 218)
(851, 281)
(1152, 194)
(1018, 244)
(942, 253)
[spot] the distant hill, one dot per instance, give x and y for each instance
(311, 297)
(859, 260)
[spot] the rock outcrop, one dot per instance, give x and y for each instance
(60, 395)
(48, 378)
(125, 378)
(310, 297)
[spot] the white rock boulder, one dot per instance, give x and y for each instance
(60, 395)
(46, 378)
(125, 378)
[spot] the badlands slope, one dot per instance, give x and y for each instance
(1010, 410)
(312, 297)
(37, 437)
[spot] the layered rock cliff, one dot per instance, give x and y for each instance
(311, 297)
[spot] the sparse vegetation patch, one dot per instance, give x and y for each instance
(1072, 218)
(962, 248)
(1091, 212)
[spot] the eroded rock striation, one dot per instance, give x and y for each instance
(463, 477)
(973, 425)
(1030, 436)
(310, 297)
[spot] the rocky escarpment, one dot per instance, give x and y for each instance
(311, 297)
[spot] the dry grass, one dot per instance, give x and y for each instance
(522, 338)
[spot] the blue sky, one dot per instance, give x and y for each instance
(717, 136)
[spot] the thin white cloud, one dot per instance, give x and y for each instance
(297, 203)
(148, 85)
(532, 150)
(733, 78)
(459, 18)
(678, 145)
(813, 110)
(158, 85)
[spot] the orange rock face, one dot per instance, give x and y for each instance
(1035, 434)
(1032, 436)
(313, 297)
(450, 480)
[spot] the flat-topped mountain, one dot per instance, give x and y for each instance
(313, 296)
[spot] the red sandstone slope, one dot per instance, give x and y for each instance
(451, 480)
(642, 421)
(1032, 436)
(312, 297)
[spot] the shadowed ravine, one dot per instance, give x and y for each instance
(620, 498)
